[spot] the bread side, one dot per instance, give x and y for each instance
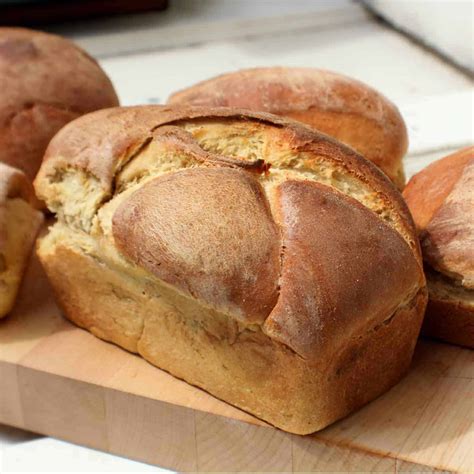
(342, 107)
(238, 364)
(450, 311)
(45, 82)
(183, 222)
(19, 224)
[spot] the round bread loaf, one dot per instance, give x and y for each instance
(441, 199)
(19, 224)
(45, 82)
(242, 252)
(342, 107)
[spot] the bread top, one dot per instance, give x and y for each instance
(441, 199)
(342, 107)
(13, 184)
(45, 82)
(260, 218)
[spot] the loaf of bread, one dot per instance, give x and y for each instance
(441, 199)
(342, 107)
(45, 82)
(242, 252)
(19, 224)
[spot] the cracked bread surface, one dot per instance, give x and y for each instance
(441, 198)
(19, 224)
(245, 253)
(340, 106)
(45, 82)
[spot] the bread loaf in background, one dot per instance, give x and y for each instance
(45, 82)
(337, 105)
(245, 253)
(441, 199)
(19, 224)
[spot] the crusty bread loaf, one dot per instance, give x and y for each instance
(244, 253)
(342, 107)
(19, 224)
(45, 82)
(441, 198)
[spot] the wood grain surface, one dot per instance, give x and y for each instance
(59, 380)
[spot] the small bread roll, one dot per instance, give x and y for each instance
(441, 199)
(19, 224)
(342, 107)
(45, 82)
(242, 252)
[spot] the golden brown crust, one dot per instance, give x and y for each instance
(13, 184)
(104, 143)
(208, 232)
(337, 105)
(19, 223)
(101, 142)
(175, 214)
(448, 240)
(427, 191)
(45, 82)
(441, 198)
(359, 268)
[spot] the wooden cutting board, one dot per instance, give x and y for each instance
(61, 381)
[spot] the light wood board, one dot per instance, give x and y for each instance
(59, 380)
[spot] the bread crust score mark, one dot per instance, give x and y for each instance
(340, 106)
(188, 294)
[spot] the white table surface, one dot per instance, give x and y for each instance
(148, 57)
